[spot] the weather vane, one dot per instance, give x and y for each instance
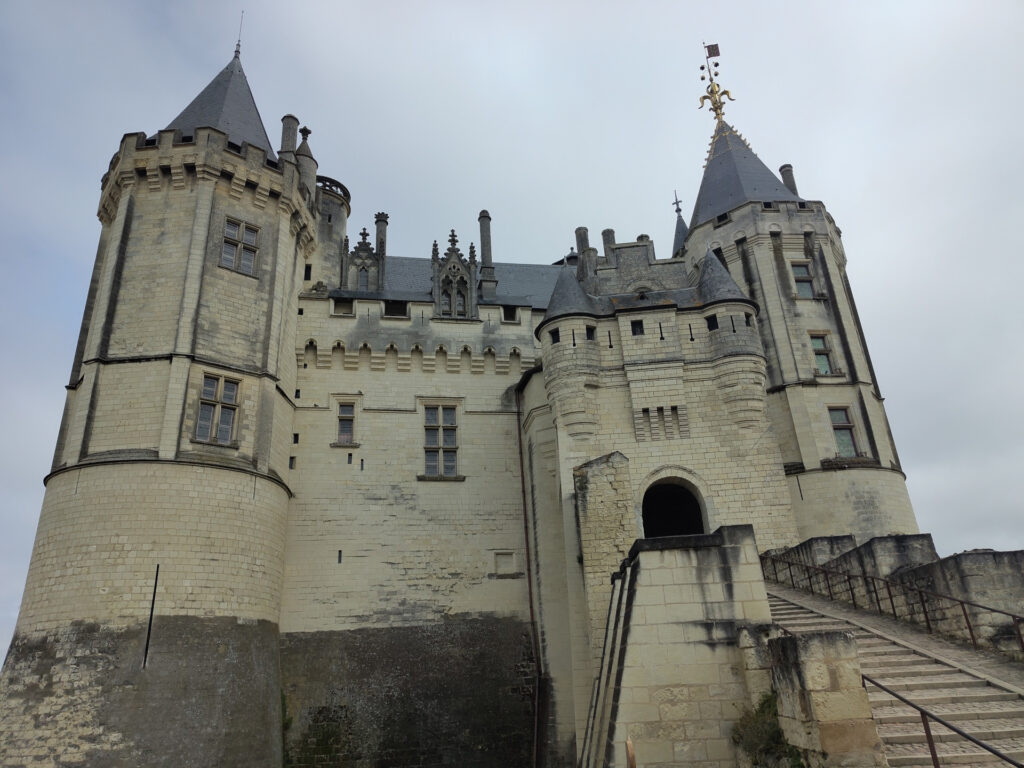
(714, 92)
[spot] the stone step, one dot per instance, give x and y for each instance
(932, 683)
(986, 730)
(921, 670)
(903, 660)
(954, 712)
(929, 698)
(960, 752)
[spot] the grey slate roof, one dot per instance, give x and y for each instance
(734, 175)
(408, 279)
(680, 237)
(227, 105)
(716, 284)
(569, 298)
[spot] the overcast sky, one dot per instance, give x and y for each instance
(904, 118)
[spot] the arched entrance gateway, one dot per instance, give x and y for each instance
(671, 510)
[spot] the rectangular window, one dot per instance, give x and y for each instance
(637, 327)
(346, 423)
(712, 321)
(555, 336)
(591, 333)
(822, 355)
(218, 405)
(343, 307)
(846, 446)
(441, 441)
(239, 251)
(804, 281)
(508, 314)
(396, 309)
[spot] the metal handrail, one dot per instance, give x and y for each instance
(925, 714)
(873, 582)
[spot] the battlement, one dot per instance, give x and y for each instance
(170, 160)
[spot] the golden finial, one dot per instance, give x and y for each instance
(714, 92)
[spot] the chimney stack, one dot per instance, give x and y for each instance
(289, 133)
(608, 239)
(788, 179)
(488, 283)
(582, 240)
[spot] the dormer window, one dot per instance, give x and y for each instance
(446, 302)
(364, 279)
(460, 304)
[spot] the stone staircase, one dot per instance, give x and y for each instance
(972, 703)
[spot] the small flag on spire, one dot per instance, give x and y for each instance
(712, 51)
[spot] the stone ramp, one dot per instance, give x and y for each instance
(908, 662)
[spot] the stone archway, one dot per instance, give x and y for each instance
(671, 509)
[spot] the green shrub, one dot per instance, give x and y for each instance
(758, 735)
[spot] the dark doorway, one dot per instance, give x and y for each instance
(671, 510)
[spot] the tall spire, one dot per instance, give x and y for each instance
(681, 230)
(733, 174)
(227, 105)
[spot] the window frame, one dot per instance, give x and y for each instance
(636, 328)
(214, 402)
(347, 418)
(239, 244)
(845, 426)
(824, 352)
(441, 425)
(802, 280)
(353, 401)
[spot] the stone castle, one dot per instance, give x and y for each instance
(316, 503)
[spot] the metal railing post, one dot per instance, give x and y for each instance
(931, 741)
(924, 607)
(967, 618)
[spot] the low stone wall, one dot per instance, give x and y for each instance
(673, 678)
(989, 578)
(820, 549)
(909, 563)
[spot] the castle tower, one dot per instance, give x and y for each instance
(656, 388)
(148, 628)
(824, 401)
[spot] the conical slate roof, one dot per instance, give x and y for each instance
(227, 105)
(734, 175)
(716, 284)
(680, 237)
(569, 298)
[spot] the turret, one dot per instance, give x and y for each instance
(307, 163)
(787, 254)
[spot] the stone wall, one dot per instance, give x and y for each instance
(462, 691)
(822, 705)
(673, 676)
(988, 578)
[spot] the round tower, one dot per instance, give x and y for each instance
(823, 398)
(152, 600)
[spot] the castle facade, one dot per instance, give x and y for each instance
(319, 503)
